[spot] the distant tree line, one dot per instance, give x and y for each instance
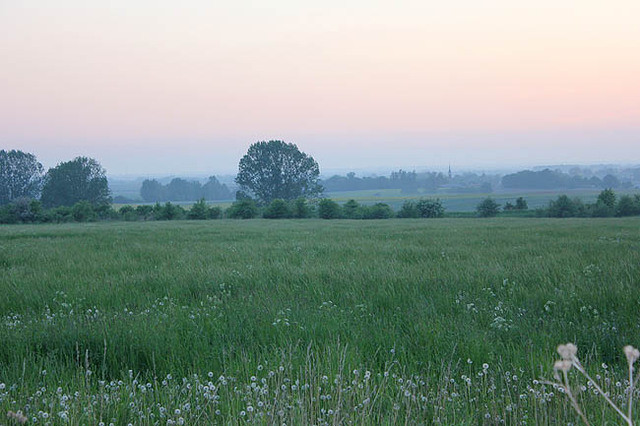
(179, 189)
(407, 182)
(276, 181)
(608, 204)
(551, 179)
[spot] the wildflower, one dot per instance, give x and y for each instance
(631, 353)
(568, 351)
(17, 416)
(210, 374)
(563, 365)
(485, 366)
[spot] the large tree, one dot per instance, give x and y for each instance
(20, 176)
(81, 179)
(275, 169)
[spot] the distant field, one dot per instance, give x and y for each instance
(311, 321)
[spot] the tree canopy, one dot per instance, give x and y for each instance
(81, 179)
(277, 170)
(20, 176)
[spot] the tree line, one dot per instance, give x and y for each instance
(275, 180)
(182, 190)
(551, 179)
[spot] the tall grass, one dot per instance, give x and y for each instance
(409, 301)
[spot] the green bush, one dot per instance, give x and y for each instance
(145, 212)
(243, 209)
(168, 211)
(488, 208)
(277, 209)
(128, 213)
(328, 209)
(429, 208)
(199, 211)
(301, 209)
(83, 211)
(378, 211)
(352, 210)
(215, 212)
(408, 210)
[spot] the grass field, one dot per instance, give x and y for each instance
(324, 322)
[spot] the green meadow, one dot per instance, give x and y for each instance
(451, 321)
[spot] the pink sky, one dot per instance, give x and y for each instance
(155, 86)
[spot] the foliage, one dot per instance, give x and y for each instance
(242, 209)
(628, 206)
(607, 198)
(83, 211)
(277, 209)
(22, 210)
(81, 179)
(275, 169)
(429, 208)
(329, 209)
(521, 204)
(168, 211)
(145, 212)
(128, 213)
(352, 210)
(301, 209)
(408, 210)
(563, 206)
(378, 211)
(199, 211)
(488, 208)
(20, 176)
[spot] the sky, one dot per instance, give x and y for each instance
(153, 87)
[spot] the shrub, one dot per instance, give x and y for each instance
(245, 208)
(378, 211)
(215, 212)
(199, 211)
(82, 211)
(328, 209)
(488, 208)
(128, 213)
(626, 207)
(301, 209)
(408, 210)
(521, 204)
(145, 212)
(562, 206)
(352, 210)
(58, 215)
(277, 209)
(21, 210)
(168, 211)
(429, 208)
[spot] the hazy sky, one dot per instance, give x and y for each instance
(159, 86)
